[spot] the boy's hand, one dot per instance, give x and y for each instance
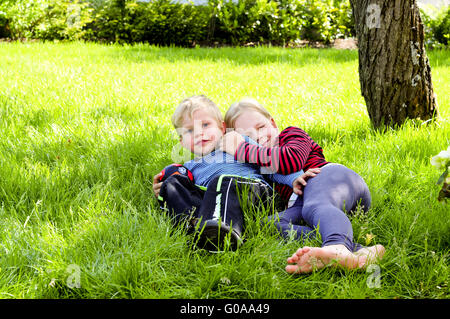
(157, 184)
(300, 182)
(230, 142)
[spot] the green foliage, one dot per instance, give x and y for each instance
(159, 22)
(437, 26)
(165, 22)
(46, 19)
(4, 32)
(325, 20)
(173, 23)
(4, 28)
(281, 21)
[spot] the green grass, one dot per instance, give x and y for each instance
(84, 127)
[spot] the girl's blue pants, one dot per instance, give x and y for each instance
(326, 200)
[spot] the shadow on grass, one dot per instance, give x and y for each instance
(250, 56)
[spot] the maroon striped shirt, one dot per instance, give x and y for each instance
(295, 151)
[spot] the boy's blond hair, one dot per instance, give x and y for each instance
(236, 109)
(190, 104)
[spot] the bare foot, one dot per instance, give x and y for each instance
(307, 259)
(298, 254)
(372, 253)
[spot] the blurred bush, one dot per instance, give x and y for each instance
(4, 31)
(159, 22)
(44, 19)
(281, 21)
(437, 26)
(165, 22)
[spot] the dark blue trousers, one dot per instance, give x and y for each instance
(221, 199)
(326, 199)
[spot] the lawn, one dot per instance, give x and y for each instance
(84, 127)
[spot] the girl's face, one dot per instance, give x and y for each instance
(257, 127)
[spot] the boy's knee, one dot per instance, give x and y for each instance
(176, 179)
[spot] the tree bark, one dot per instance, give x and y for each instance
(394, 70)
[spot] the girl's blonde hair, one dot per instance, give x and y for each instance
(190, 104)
(236, 109)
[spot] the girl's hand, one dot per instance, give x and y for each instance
(157, 184)
(300, 182)
(230, 142)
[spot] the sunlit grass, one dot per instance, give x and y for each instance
(84, 127)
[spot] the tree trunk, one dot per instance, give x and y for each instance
(394, 70)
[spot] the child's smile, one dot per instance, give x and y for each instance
(201, 132)
(258, 128)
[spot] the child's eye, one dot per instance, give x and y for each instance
(205, 124)
(189, 130)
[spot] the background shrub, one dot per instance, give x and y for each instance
(165, 22)
(174, 23)
(437, 25)
(157, 22)
(45, 19)
(281, 21)
(4, 32)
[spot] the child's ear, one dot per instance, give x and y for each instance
(272, 121)
(224, 127)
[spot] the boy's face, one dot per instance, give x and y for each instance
(201, 133)
(258, 128)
